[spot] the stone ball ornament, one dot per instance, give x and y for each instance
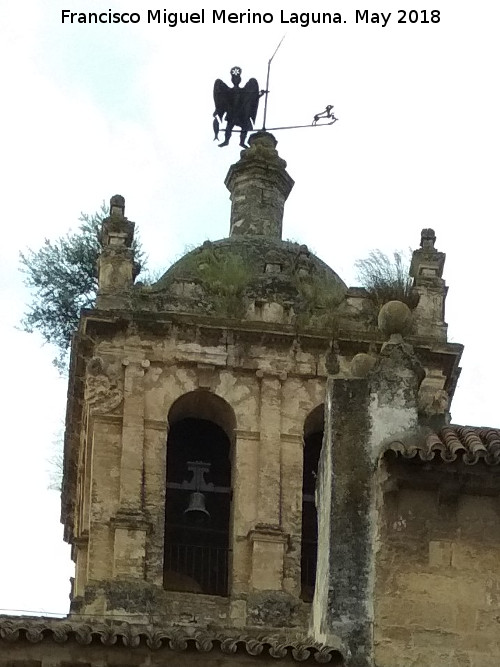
(394, 318)
(362, 364)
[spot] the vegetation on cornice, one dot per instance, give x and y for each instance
(62, 277)
(224, 277)
(387, 278)
(318, 300)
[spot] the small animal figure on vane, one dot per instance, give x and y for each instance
(327, 114)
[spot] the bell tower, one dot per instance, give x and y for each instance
(195, 423)
(185, 492)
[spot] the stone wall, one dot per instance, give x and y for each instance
(437, 595)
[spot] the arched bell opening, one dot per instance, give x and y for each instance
(313, 440)
(198, 495)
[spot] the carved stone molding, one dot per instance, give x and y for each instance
(264, 532)
(244, 434)
(130, 520)
(102, 391)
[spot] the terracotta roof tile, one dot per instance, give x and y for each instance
(470, 444)
(62, 630)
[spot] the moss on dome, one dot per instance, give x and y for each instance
(225, 276)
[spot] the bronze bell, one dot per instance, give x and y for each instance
(196, 510)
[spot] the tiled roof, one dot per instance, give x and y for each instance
(62, 630)
(469, 444)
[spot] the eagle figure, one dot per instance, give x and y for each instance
(237, 106)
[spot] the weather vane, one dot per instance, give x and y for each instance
(238, 107)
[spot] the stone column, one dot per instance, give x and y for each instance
(259, 185)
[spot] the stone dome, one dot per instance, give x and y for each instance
(237, 276)
(253, 274)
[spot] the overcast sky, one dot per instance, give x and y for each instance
(93, 110)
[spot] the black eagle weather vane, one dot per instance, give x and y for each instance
(238, 107)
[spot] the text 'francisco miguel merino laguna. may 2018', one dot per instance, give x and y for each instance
(173, 19)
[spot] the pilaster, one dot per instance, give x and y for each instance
(269, 496)
(268, 548)
(292, 461)
(267, 537)
(155, 459)
(245, 500)
(129, 525)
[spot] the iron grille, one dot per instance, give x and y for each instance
(207, 566)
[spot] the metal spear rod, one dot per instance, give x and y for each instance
(287, 127)
(267, 80)
(296, 127)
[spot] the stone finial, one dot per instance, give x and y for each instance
(117, 206)
(116, 266)
(398, 371)
(398, 367)
(426, 269)
(394, 318)
(362, 364)
(427, 238)
(116, 229)
(427, 263)
(259, 185)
